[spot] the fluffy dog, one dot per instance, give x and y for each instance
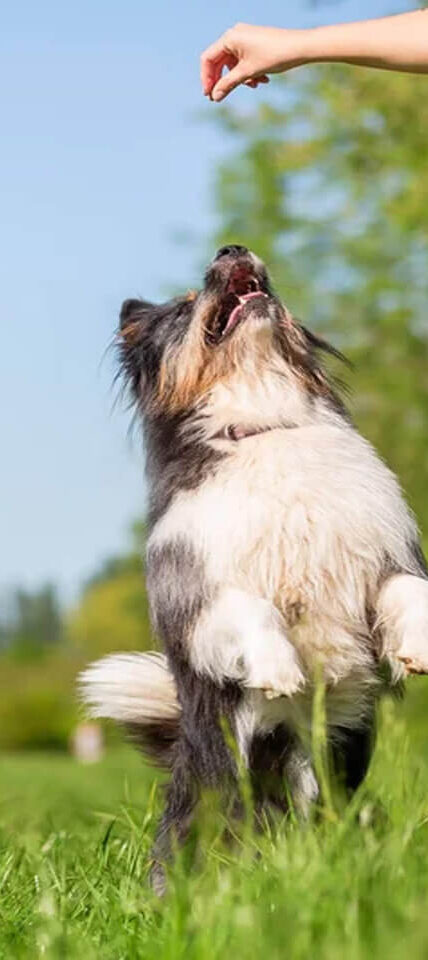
(280, 550)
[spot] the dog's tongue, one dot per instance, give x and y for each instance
(243, 298)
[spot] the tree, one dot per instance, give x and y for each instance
(32, 621)
(112, 613)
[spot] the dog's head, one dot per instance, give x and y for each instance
(174, 354)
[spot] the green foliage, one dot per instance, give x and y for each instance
(331, 189)
(32, 621)
(74, 848)
(38, 706)
(122, 564)
(38, 701)
(112, 615)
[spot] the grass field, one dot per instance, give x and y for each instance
(73, 862)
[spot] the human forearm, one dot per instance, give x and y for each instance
(392, 43)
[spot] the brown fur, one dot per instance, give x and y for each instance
(189, 373)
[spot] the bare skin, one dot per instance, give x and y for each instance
(251, 53)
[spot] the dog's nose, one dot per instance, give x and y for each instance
(233, 250)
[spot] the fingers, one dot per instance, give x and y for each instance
(217, 68)
(254, 81)
(213, 60)
(231, 80)
(237, 74)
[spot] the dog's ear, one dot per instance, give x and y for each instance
(132, 320)
(132, 311)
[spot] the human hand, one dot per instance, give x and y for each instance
(399, 42)
(249, 53)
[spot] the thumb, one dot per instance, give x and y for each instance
(228, 83)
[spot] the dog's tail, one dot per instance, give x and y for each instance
(138, 691)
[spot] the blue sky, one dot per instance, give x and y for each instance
(102, 161)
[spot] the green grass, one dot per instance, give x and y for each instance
(73, 865)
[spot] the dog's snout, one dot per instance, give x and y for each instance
(233, 250)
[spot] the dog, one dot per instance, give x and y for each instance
(281, 553)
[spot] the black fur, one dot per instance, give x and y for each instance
(421, 563)
(201, 757)
(178, 591)
(145, 330)
(157, 741)
(174, 462)
(267, 763)
(351, 754)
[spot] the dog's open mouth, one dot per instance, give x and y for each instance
(242, 287)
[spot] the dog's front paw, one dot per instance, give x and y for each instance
(415, 663)
(285, 684)
(403, 620)
(276, 671)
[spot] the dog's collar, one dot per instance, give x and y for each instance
(236, 432)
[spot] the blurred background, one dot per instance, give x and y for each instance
(118, 179)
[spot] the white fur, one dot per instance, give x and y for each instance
(301, 782)
(242, 637)
(403, 619)
(130, 688)
(257, 399)
(301, 518)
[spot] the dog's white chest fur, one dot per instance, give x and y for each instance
(302, 518)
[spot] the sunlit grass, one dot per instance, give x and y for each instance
(73, 865)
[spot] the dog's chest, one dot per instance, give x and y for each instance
(292, 516)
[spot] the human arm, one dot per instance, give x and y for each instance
(251, 53)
